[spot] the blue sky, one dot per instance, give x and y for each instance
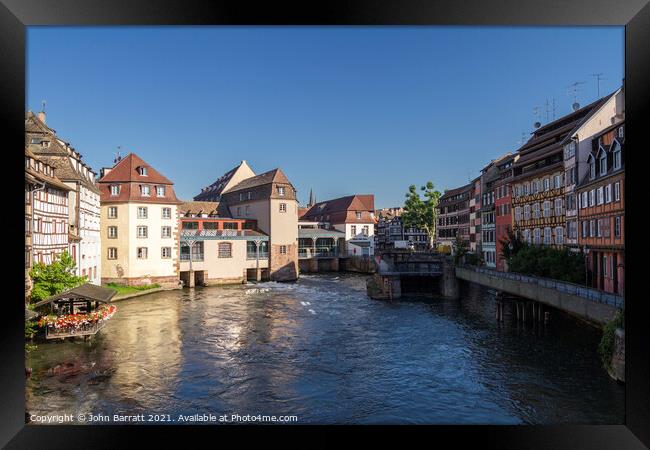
(341, 110)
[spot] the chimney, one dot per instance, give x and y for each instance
(104, 171)
(41, 116)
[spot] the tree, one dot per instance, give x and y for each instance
(54, 278)
(511, 244)
(420, 212)
(461, 247)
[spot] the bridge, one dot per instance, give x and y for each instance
(397, 269)
(590, 304)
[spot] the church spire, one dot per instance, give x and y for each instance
(312, 200)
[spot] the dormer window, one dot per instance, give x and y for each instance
(281, 191)
(145, 191)
(603, 162)
(592, 167)
(160, 191)
(358, 214)
(142, 171)
(617, 154)
(115, 189)
(621, 132)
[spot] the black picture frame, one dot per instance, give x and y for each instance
(16, 15)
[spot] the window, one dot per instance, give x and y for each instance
(281, 191)
(559, 236)
(115, 189)
(366, 230)
(603, 162)
(358, 214)
(142, 171)
(592, 228)
(599, 196)
(166, 213)
(569, 150)
(166, 232)
(283, 249)
(592, 167)
(239, 210)
(160, 191)
(547, 236)
(145, 190)
(517, 213)
(617, 191)
(141, 252)
(526, 212)
(283, 207)
(190, 225)
(225, 250)
(353, 230)
(527, 235)
(142, 212)
(165, 252)
(241, 196)
(572, 229)
(592, 197)
(230, 225)
(605, 227)
(248, 210)
(617, 226)
(608, 193)
(547, 184)
(584, 228)
(249, 195)
(571, 201)
(547, 208)
(617, 154)
(209, 225)
(112, 212)
(557, 181)
(112, 232)
(112, 253)
(558, 207)
(537, 234)
(605, 265)
(142, 232)
(535, 210)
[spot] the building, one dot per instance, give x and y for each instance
(475, 217)
(503, 207)
(576, 151)
(217, 249)
(139, 225)
(538, 180)
(390, 229)
(453, 216)
(353, 215)
(84, 204)
(601, 216)
(227, 181)
(46, 215)
(490, 177)
(269, 199)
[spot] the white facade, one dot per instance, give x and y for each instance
(359, 237)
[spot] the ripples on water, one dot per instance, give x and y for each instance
(322, 350)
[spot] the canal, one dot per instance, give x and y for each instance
(321, 350)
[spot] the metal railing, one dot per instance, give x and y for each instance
(195, 257)
(253, 255)
(318, 252)
(588, 293)
(81, 330)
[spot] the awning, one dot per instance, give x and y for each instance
(201, 235)
(315, 233)
(86, 291)
(360, 243)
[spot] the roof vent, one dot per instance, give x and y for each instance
(576, 106)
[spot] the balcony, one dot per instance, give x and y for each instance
(253, 255)
(318, 252)
(195, 257)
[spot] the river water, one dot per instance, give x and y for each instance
(321, 350)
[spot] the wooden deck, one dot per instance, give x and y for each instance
(53, 333)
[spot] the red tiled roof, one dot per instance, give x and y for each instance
(126, 171)
(343, 209)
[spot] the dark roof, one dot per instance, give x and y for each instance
(216, 189)
(551, 137)
(33, 176)
(455, 191)
(198, 207)
(88, 291)
(272, 176)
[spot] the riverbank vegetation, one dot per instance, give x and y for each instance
(54, 278)
(543, 260)
(124, 290)
(422, 213)
(608, 341)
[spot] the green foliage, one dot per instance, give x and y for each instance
(548, 262)
(421, 212)
(461, 247)
(607, 342)
(30, 331)
(511, 244)
(473, 259)
(123, 289)
(54, 278)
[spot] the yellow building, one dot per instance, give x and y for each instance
(139, 225)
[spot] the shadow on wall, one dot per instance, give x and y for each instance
(288, 272)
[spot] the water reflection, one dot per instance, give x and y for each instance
(320, 349)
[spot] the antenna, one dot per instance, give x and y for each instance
(43, 105)
(537, 123)
(598, 77)
(553, 107)
(118, 158)
(573, 90)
